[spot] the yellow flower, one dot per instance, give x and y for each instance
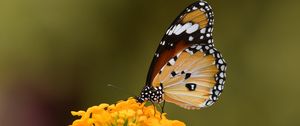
(124, 113)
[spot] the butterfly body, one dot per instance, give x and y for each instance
(150, 93)
(187, 69)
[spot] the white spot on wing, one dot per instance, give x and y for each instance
(171, 31)
(209, 103)
(201, 9)
(157, 55)
(172, 61)
(194, 8)
(220, 61)
(201, 37)
(209, 30)
(220, 88)
(203, 30)
(183, 28)
(189, 51)
(207, 35)
(201, 3)
(209, 41)
(193, 46)
(191, 38)
(163, 43)
(221, 81)
(177, 27)
(223, 67)
(206, 47)
(192, 86)
(221, 74)
(168, 31)
(192, 29)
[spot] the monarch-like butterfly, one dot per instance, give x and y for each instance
(187, 69)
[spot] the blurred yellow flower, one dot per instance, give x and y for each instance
(124, 113)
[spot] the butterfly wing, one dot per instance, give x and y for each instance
(194, 78)
(192, 26)
(186, 64)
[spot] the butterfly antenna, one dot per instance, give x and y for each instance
(120, 89)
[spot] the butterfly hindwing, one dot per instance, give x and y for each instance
(193, 80)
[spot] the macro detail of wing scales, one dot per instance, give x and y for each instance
(187, 69)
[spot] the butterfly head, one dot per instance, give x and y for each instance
(153, 94)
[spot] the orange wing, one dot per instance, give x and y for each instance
(191, 79)
(192, 26)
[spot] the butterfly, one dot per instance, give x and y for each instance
(187, 69)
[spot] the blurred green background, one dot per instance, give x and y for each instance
(59, 55)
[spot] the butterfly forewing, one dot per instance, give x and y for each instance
(193, 25)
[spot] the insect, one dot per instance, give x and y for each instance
(187, 69)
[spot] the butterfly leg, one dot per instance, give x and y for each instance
(162, 108)
(153, 106)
